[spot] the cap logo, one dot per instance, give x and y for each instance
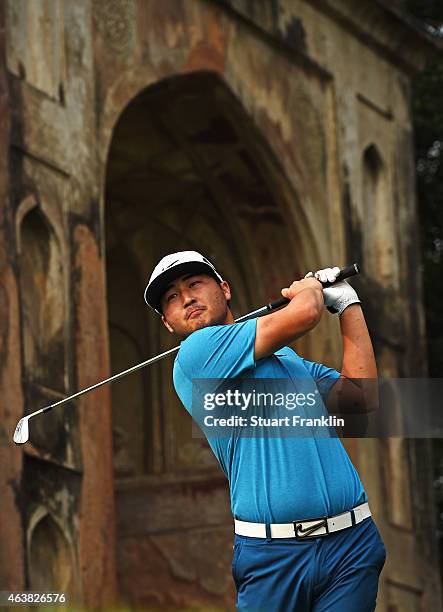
(170, 265)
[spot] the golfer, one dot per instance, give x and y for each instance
(304, 536)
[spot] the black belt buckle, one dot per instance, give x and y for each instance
(304, 534)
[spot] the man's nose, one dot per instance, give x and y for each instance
(187, 298)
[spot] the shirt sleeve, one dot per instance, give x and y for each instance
(324, 377)
(219, 351)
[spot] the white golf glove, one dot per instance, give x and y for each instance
(338, 296)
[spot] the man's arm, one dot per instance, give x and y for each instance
(356, 390)
(302, 314)
(358, 354)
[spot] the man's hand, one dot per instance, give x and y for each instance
(298, 286)
(302, 314)
(340, 295)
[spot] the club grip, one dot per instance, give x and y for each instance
(344, 273)
(347, 272)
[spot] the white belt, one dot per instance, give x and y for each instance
(308, 528)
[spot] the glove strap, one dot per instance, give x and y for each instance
(344, 304)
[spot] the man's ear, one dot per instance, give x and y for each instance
(226, 290)
(166, 324)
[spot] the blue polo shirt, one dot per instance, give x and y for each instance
(271, 479)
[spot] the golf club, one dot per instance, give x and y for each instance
(21, 433)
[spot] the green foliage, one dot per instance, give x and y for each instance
(429, 11)
(428, 120)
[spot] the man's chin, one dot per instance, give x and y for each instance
(200, 322)
(197, 323)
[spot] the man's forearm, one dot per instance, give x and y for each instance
(302, 314)
(358, 353)
(356, 391)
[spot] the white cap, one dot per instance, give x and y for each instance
(172, 266)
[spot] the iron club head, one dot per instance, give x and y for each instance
(21, 433)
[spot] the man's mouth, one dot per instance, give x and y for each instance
(194, 312)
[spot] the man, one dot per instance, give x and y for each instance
(286, 558)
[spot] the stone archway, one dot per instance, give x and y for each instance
(183, 172)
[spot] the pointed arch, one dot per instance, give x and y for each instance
(379, 239)
(188, 169)
(51, 556)
(42, 300)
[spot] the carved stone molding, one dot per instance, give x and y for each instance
(116, 21)
(391, 31)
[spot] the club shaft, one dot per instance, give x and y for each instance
(109, 380)
(344, 273)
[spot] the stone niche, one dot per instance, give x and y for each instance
(380, 252)
(50, 519)
(50, 557)
(41, 280)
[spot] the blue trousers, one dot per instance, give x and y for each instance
(334, 573)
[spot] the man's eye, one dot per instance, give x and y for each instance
(170, 297)
(192, 283)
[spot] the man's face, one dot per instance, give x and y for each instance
(194, 301)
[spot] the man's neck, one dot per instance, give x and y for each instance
(229, 319)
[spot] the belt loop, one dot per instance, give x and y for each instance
(353, 517)
(268, 532)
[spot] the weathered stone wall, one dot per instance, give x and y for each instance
(275, 137)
